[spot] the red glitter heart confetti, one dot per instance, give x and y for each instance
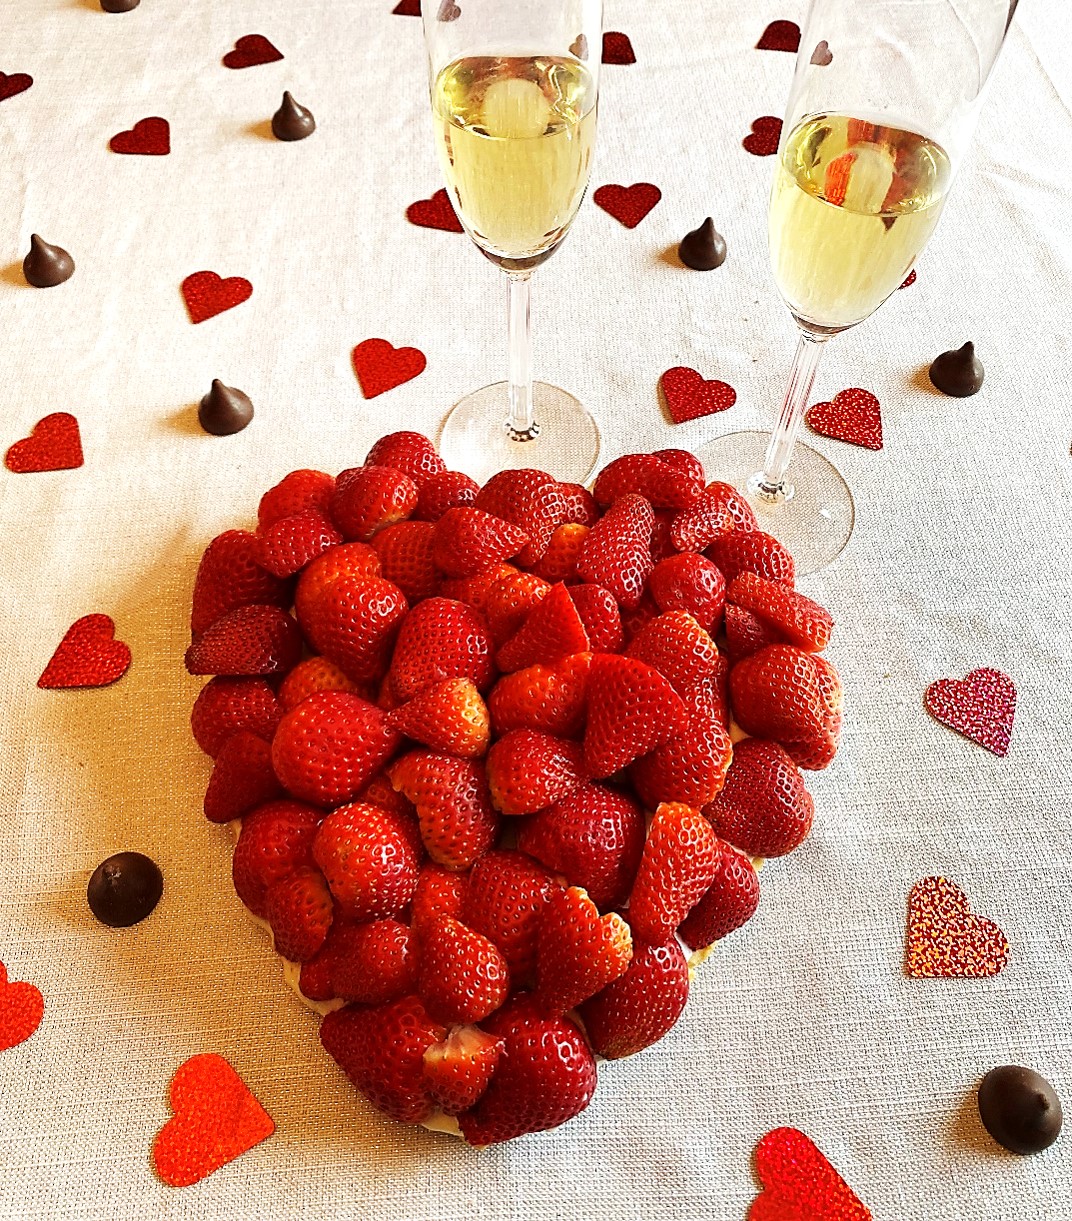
(17, 82)
(251, 50)
(216, 1119)
(147, 138)
(87, 656)
(407, 8)
(688, 396)
(780, 36)
(21, 1007)
(380, 367)
(910, 280)
(766, 132)
(853, 416)
(435, 213)
(945, 939)
(799, 1184)
(629, 205)
(54, 444)
(617, 49)
(981, 707)
(822, 56)
(206, 294)
(448, 11)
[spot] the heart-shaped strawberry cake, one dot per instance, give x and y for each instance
(476, 746)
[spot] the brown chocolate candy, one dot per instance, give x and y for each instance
(1019, 1109)
(119, 6)
(224, 410)
(958, 372)
(703, 249)
(46, 266)
(124, 889)
(291, 121)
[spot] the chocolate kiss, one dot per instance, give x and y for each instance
(224, 410)
(703, 249)
(291, 121)
(124, 889)
(1019, 1109)
(119, 6)
(958, 372)
(46, 266)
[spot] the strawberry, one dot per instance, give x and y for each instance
(289, 543)
(638, 617)
(579, 951)
(447, 490)
(692, 583)
(836, 179)
(299, 910)
(546, 1075)
(559, 561)
(505, 901)
(367, 498)
(314, 978)
(730, 900)
(330, 745)
(532, 500)
(617, 551)
(800, 620)
(552, 630)
(276, 841)
(316, 674)
(600, 616)
(666, 486)
(509, 601)
(370, 859)
(440, 639)
(229, 577)
(353, 560)
(631, 710)
(458, 1069)
(463, 977)
(549, 698)
(469, 542)
(294, 493)
(242, 778)
(763, 808)
(405, 551)
(474, 591)
(380, 792)
(691, 767)
(409, 452)
(674, 644)
(662, 539)
(226, 705)
(374, 962)
(249, 640)
(718, 509)
(753, 551)
(642, 1005)
(678, 864)
(440, 892)
(457, 821)
(681, 460)
(527, 771)
(581, 505)
(353, 622)
(448, 716)
(594, 837)
(745, 634)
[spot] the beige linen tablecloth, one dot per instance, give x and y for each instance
(960, 559)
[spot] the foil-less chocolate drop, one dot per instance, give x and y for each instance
(224, 410)
(119, 6)
(703, 249)
(124, 889)
(958, 372)
(1020, 1109)
(46, 266)
(291, 121)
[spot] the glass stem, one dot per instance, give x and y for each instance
(771, 483)
(521, 424)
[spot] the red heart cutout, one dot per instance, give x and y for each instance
(689, 397)
(628, 204)
(946, 940)
(853, 416)
(250, 50)
(799, 1184)
(407, 8)
(17, 82)
(911, 279)
(448, 11)
(617, 49)
(54, 444)
(216, 1119)
(766, 132)
(780, 36)
(981, 707)
(380, 367)
(822, 56)
(207, 294)
(148, 138)
(87, 656)
(435, 213)
(21, 1007)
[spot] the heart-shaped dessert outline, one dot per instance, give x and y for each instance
(21, 1008)
(617, 48)
(800, 1183)
(11, 85)
(690, 397)
(149, 137)
(628, 205)
(437, 212)
(981, 706)
(250, 51)
(54, 444)
(853, 416)
(945, 939)
(780, 35)
(88, 656)
(379, 366)
(762, 140)
(207, 294)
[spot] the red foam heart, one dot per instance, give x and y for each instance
(87, 656)
(799, 1184)
(911, 279)
(435, 213)
(251, 50)
(54, 444)
(147, 138)
(629, 205)
(689, 397)
(766, 132)
(617, 49)
(17, 82)
(216, 1119)
(207, 294)
(407, 8)
(21, 1007)
(945, 939)
(853, 416)
(981, 707)
(780, 36)
(380, 367)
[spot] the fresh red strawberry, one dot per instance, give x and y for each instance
(676, 646)
(289, 543)
(745, 634)
(374, 962)
(316, 674)
(546, 1075)
(800, 620)
(664, 485)
(752, 551)
(328, 747)
(678, 864)
(600, 616)
(594, 837)
(505, 901)
(469, 541)
(440, 892)
(692, 583)
(836, 179)
(249, 640)
(474, 591)
(381, 1049)
(409, 452)
(631, 710)
(367, 498)
(617, 552)
(441, 639)
(405, 551)
(642, 1005)
(509, 601)
(229, 577)
(691, 767)
(294, 493)
(353, 622)
(548, 698)
(763, 808)
(449, 716)
(458, 1069)
(381, 792)
(242, 778)
(351, 560)
(662, 539)
(683, 461)
(457, 821)
(638, 618)
(719, 509)
(559, 561)
(527, 771)
(532, 500)
(447, 490)
(314, 978)
(463, 976)
(552, 630)
(299, 911)
(730, 900)
(579, 951)
(226, 705)
(276, 841)
(370, 858)
(581, 505)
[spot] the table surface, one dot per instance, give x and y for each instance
(959, 560)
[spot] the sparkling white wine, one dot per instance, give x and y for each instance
(853, 204)
(515, 138)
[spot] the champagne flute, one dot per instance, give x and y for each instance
(513, 86)
(881, 112)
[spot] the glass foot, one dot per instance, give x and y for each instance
(476, 438)
(815, 514)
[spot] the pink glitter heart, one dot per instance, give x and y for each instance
(981, 707)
